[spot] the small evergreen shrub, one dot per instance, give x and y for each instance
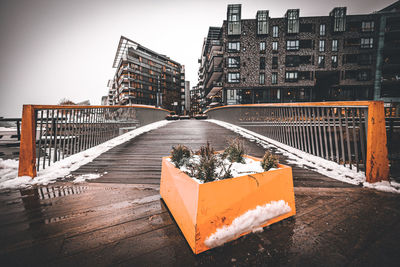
(269, 161)
(179, 155)
(205, 169)
(207, 165)
(235, 151)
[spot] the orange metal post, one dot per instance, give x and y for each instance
(27, 154)
(377, 168)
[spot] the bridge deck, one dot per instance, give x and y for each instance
(103, 223)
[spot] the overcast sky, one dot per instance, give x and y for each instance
(54, 49)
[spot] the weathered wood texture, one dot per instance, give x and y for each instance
(125, 223)
(139, 160)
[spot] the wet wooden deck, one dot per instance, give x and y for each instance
(119, 218)
(139, 160)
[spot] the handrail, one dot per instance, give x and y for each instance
(347, 132)
(52, 132)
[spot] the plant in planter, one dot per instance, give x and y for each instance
(218, 197)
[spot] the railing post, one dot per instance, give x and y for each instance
(377, 162)
(27, 154)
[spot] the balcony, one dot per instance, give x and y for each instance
(216, 87)
(215, 73)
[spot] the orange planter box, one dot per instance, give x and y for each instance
(206, 213)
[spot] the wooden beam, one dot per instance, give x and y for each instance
(27, 150)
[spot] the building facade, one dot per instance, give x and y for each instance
(196, 100)
(145, 77)
(301, 59)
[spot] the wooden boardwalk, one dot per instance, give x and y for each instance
(139, 160)
(119, 219)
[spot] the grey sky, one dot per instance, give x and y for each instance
(51, 49)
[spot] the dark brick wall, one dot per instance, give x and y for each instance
(250, 53)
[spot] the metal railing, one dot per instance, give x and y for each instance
(17, 122)
(349, 133)
(52, 133)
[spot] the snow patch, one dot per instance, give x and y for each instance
(251, 220)
(385, 186)
(6, 129)
(84, 177)
(9, 168)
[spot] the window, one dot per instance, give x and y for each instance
(262, 63)
(262, 46)
(321, 45)
(305, 60)
(274, 46)
(274, 62)
(274, 78)
(234, 19)
(233, 46)
(350, 58)
(306, 27)
(262, 78)
(304, 75)
(364, 75)
(351, 42)
(334, 61)
(233, 62)
(306, 44)
(367, 42)
(322, 29)
(275, 31)
(353, 26)
(321, 61)
(350, 74)
(367, 26)
(233, 77)
(292, 16)
(231, 96)
(291, 76)
(292, 61)
(365, 59)
(339, 19)
(292, 45)
(262, 22)
(334, 45)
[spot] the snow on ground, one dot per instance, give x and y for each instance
(60, 169)
(89, 176)
(6, 129)
(251, 220)
(306, 160)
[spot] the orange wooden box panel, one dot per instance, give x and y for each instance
(201, 209)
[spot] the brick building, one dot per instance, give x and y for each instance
(145, 77)
(299, 59)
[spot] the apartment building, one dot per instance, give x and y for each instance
(143, 76)
(300, 59)
(196, 100)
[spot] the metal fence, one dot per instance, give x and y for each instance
(51, 133)
(337, 131)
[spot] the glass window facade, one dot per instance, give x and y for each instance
(262, 22)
